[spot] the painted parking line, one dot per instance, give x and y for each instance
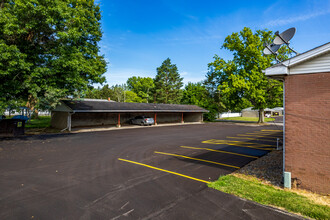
(258, 139)
(248, 143)
(273, 135)
(268, 132)
(213, 141)
(220, 151)
(163, 170)
(229, 142)
(253, 135)
(192, 158)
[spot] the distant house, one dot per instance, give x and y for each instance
(250, 112)
(307, 117)
(278, 111)
(91, 112)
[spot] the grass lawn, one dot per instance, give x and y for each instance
(41, 122)
(254, 190)
(252, 119)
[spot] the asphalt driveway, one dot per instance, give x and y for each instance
(149, 173)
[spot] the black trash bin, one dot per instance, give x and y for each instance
(12, 126)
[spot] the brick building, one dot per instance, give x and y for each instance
(307, 117)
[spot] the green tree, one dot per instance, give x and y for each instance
(142, 86)
(168, 84)
(118, 93)
(48, 46)
(241, 82)
(100, 93)
(195, 94)
(198, 94)
(131, 96)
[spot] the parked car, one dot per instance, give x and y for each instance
(267, 115)
(142, 120)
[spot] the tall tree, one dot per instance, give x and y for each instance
(168, 83)
(100, 93)
(197, 94)
(131, 96)
(142, 86)
(48, 46)
(119, 94)
(240, 81)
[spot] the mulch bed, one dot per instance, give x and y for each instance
(268, 168)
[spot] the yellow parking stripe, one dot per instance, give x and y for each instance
(220, 151)
(229, 142)
(167, 171)
(268, 132)
(213, 141)
(253, 135)
(247, 138)
(248, 143)
(273, 135)
(192, 158)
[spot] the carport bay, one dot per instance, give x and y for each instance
(88, 112)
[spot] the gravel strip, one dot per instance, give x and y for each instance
(268, 168)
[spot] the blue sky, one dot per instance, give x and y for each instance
(138, 35)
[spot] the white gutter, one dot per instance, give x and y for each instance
(68, 122)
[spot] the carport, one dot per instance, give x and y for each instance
(96, 112)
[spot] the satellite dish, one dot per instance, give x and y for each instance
(280, 39)
(271, 49)
(284, 37)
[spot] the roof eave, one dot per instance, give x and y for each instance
(277, 70)
(283, 68)
(62, 107)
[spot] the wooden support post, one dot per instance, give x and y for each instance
(182, 118)
(118, 125)
(155, 118)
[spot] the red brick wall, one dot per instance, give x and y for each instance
(307, 125)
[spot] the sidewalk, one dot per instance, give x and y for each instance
(109, 128)
(278, 121)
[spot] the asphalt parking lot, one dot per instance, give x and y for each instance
(149, 173)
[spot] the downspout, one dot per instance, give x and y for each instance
(283, 127)
(68, 122)
(286, 175)
(118, 122)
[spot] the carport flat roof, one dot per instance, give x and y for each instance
(119, 107)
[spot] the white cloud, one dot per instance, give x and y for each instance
(183, 73)
(290, 20)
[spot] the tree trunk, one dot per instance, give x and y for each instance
(31, 103)
(261, 116)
